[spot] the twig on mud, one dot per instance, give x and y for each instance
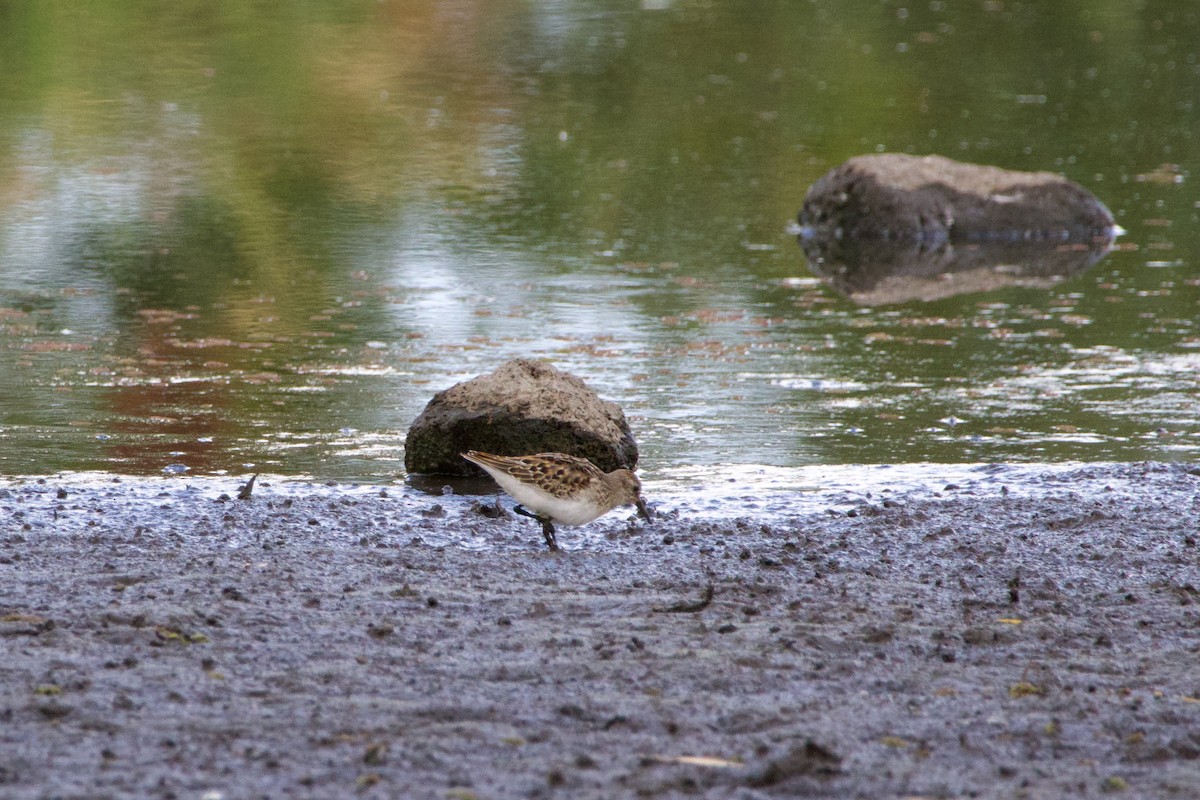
(1014, 588)
(689, 608)
(245, 490)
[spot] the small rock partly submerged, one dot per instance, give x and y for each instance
(525, 406)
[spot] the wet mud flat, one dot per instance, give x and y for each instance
(1032, 640)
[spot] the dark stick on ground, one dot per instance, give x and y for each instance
(690, 608)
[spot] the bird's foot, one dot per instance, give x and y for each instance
(548, 533)
(547, 526)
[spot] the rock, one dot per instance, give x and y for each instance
(891, 228)
(523, 407)
(936, 200)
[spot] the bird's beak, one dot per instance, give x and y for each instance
(643, 509)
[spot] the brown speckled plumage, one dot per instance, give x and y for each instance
(554, 473)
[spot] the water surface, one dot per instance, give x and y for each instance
(236, 240)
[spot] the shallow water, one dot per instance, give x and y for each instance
(263, 244)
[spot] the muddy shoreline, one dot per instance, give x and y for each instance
(1027, 641)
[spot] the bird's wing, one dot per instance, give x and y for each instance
(556, 474)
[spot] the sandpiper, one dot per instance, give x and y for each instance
(560, 488)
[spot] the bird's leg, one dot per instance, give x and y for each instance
(547, 525)
(548, 533)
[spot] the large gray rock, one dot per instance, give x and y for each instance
(523, 407)
(936, 200)
(892, 228)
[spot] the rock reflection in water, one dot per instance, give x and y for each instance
(875, 272)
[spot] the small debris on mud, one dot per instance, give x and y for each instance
(807, 759)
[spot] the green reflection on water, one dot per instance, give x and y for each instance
(234, 237)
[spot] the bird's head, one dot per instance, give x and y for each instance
(632, 489)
